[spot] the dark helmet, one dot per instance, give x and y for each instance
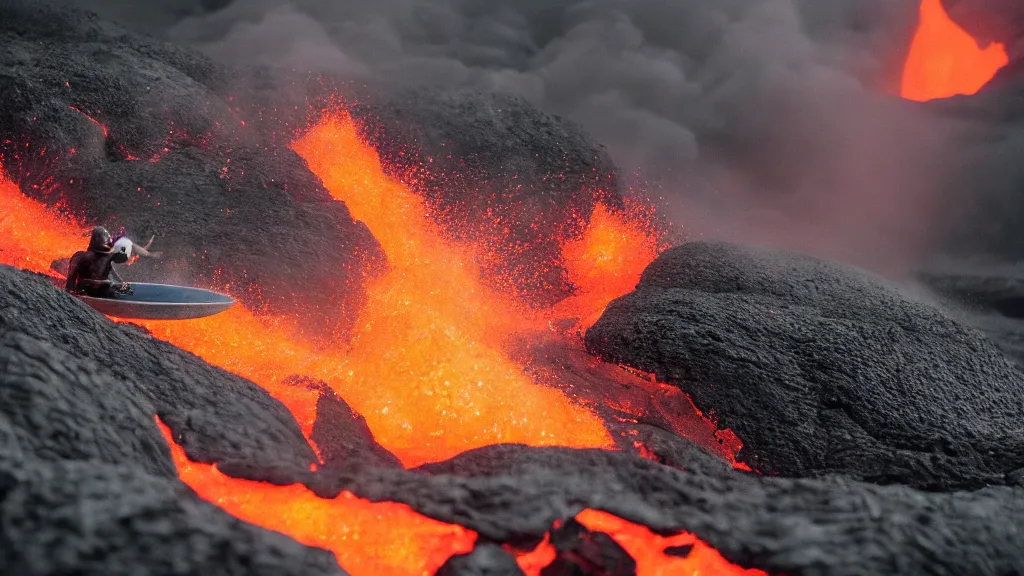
(100, 241)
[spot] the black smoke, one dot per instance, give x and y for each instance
(766, 121)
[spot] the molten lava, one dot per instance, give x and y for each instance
(648, 549)
(944, 60)
(380, 539)
(606, 261)
(375, 539)
(34, 237)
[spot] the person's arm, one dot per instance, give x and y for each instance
(73, 273)
(144, 252)
(116, 276)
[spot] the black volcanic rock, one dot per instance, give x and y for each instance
(342, 434)
(582, 552)
(988, 295)
(142, 136)
(87, 485)
(484, 560)
(78, 517)
(819, 368)
(827, 526)
(122, 378)
(96, 485)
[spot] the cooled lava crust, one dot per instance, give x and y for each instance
(888, 436)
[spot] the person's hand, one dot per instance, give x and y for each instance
(157, 255)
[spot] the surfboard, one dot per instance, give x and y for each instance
(161, 302)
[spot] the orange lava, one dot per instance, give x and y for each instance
(372, 539)
(605, 262)
(648, 549)
(31, 236)
(944, 60)
(645, 547)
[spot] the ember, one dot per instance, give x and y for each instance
(944, 60)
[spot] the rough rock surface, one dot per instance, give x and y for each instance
(581, 552)
(820, 368)
(83, 466)
(137, 374)
(142, 136)
(988, 296)
(484, 560)
(54, 346)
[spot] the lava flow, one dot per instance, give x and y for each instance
(34, 237)
(385, 538)
(366, 537)
(944, 60)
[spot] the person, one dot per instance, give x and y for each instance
(90, 270)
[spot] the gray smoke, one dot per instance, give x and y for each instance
(764, 121)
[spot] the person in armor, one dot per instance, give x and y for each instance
(90, 271)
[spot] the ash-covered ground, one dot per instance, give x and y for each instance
(887, 434)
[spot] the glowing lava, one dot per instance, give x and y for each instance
(648, 549)
(381, 539)
(33, 237)
(944, 60)
(605, 262)
(373, 539)
(425, 365)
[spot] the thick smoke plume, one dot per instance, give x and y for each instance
(765, 121)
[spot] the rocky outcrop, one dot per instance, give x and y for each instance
(820, 368)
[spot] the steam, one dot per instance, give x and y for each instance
(762, 121)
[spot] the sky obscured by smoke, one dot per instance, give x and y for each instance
(766, 121)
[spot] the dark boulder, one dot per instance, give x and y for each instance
(484, 560)
(821, 368)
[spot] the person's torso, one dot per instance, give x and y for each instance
(96, 265)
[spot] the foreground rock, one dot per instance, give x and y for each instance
(83, 468)
(821, 369)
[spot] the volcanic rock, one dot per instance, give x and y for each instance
(82, 468)
(81, 517)
(139, 135)
(821, 368)
(582, 552)
(87, 485)
(344, 438)
(87, 388)
(988, 296)
(484, 560)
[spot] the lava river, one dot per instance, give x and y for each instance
(425, 365)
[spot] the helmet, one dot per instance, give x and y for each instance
(100, 240)
(122, 250)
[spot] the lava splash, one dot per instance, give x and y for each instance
(944, 60)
